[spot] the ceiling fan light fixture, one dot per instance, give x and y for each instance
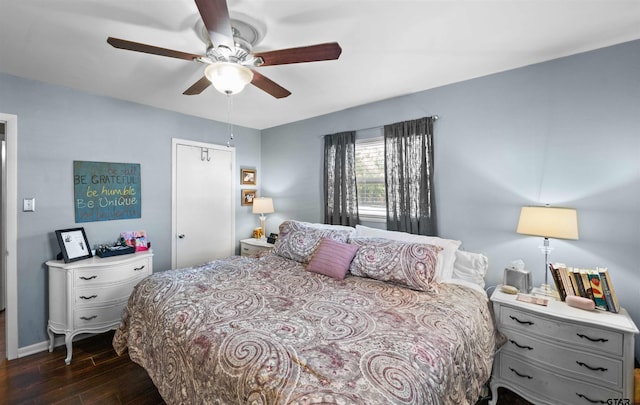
(227, 77)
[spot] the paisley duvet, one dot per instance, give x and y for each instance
(263, 330)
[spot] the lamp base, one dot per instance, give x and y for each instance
(545, 290)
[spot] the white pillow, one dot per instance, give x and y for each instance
(446, 257)
(318, 225)
(470, 267)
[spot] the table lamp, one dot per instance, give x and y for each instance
(262, 205)
(548, 222)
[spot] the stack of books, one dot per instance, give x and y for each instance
(587, 283)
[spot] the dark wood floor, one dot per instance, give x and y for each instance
(96, 375)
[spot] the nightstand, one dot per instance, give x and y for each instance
(557, 354)
(252, 246)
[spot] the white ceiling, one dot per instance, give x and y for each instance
(389, 47)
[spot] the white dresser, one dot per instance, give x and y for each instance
(557, 354)
(252, 246)
(88, 296)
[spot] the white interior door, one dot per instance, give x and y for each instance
(203, 203)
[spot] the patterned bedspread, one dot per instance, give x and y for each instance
(265, 331)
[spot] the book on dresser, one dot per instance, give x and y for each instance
(595, 285)
(609, 293)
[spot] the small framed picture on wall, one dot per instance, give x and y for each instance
(248, 196)
(248, 176)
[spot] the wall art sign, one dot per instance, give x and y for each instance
(106, 191)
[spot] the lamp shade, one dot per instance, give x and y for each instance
(549, 222)
(228, 78)
(262, 205)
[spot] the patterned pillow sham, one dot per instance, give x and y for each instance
(446, 257)
(409, 264)
(299, 240)
(332, 258)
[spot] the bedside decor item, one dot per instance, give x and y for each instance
(515, 275)
(136, 239)
(262, 205)
(115, 250)
(580, 302)
(73, 244)
(548, 222)
(248, 196)
(248, 176)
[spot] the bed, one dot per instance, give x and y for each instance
(283, 328)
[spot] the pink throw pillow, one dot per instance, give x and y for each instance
(332, 258)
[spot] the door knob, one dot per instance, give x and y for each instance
(181, 236)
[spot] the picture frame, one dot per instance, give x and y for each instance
(248, 196)
(248, 176)
(73, 244)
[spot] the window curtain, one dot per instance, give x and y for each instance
(409, 177)
(340, 193)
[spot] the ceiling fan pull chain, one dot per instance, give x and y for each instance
(230, 125)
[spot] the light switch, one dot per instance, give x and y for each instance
(29, 205)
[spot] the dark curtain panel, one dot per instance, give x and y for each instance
(340, 193)
(409, 177)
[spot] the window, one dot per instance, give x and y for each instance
(372, 203)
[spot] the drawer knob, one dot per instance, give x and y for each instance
(519, 321)
(519, 345)
(591, 368)
(88, 278)
(580, 335)
(593, 401)
(138, 268)
(89, 297)
(520, 375)
(88, 318)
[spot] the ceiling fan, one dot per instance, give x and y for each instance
(229, 58)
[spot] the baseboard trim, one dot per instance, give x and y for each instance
(44, 346)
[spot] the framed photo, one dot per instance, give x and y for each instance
(74, 244)
(248, 176)
(248, 196)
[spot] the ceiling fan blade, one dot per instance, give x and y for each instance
(154, 50)
(215, 16)
(197, 87)
(312, 53)
(269, 86)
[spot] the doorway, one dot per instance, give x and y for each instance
(203, 202)
(9, 234)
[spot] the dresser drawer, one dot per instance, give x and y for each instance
(111, 274)
(251, 250)
(98, 317)
(563, 390)
(100, 295)
(580, 364)
(589, 337)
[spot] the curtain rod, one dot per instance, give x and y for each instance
(435, 118)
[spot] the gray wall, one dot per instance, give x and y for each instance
(564, 132)
(57, 125)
